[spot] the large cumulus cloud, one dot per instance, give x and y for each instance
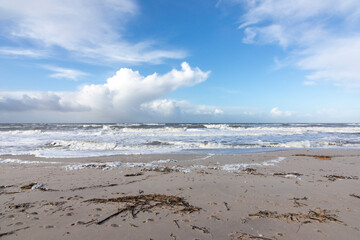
(127, 96)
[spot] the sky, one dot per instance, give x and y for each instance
(179, 61)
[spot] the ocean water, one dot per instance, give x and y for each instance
(85, 140)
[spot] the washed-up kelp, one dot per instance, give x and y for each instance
(134, 174)
(316, 215)
(12, 232)
(315, 156)
(297, 203)
(334, 177)
(142, 203)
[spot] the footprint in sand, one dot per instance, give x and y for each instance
(115, 225)
(19, 223)
(70, 214)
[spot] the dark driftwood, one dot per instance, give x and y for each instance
(354, 195)
(113, 215)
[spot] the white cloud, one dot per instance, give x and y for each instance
(65, 73)
(276, 112)
(91, 29)
(127, 96)
(22, 52)
(173, 108)
(309, 83)
(322, 36)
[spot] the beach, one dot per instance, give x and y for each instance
(288, 194)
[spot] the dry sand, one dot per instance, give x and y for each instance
(302, 194)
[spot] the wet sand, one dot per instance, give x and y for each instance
(297, 194)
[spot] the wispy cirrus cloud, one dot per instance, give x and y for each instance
(322, 36)
(19, 52)
(65, 73)
(92, 30)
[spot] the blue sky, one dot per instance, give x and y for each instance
(179, 61)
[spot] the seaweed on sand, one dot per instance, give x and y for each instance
(297, 203)
(134, 174)
(32, 186)
(142, 203)
(12, 232)
(28, 186)
(317, 215)
(334, 177)
(314, 156)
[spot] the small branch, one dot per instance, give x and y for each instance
(227, 206)
(114, 215)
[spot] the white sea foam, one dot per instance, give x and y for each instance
(103, 166)
(84, 145)
(300, 144)
(111, 165)
(18, 161)
(236, 167)
(273, 162)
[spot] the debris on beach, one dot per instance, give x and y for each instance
(177, 224)
(6, 186)
(227, 206)
(134, 174)
(12, 232)
(22, 206)
(246, 236)
(202, 229)
(7, 193)
(35, 186)
(354, 195)
(297, 203)
(252, 171)
(321, 157)
(142, 203)
(288, 175)
(317, 215)
(334, 177)
(96, 186)
(28, 186)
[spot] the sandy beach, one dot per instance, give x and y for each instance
(295, 194)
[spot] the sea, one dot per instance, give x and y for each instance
(91, 140)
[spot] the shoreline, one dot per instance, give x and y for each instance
(185, 153)
(290, 194)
